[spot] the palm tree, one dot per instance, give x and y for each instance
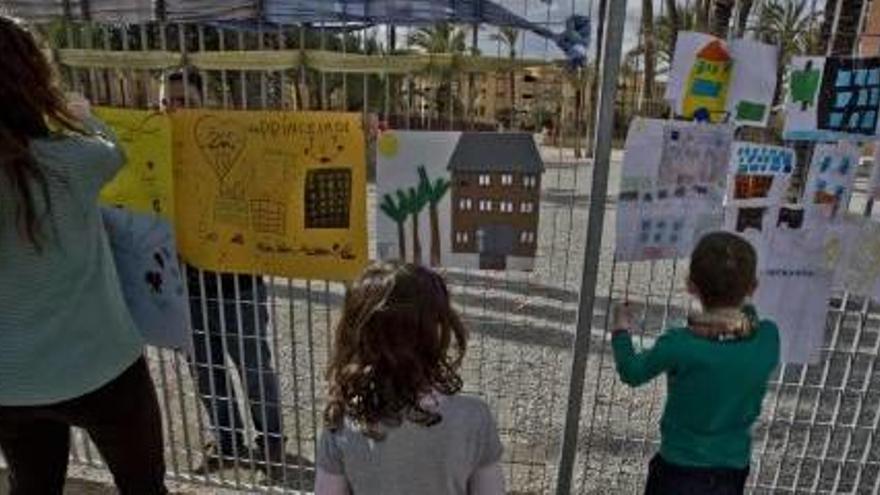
(398, 212)
(509, 36)
(649, 48)
(722, 12)
(416, 200)
(742, 20)
(790, 25)
(434, 192)
(442, 38)
(667, 26)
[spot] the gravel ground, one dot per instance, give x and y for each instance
(816, 436)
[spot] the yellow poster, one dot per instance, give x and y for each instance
(145, 183)
(278, 193)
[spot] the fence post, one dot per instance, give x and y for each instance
(611, 56)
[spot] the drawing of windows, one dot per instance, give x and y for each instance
(750, 218)
(485, 180)
(527, 207)
(752, 186)
(507, 180)
(852, 99)
(268, 217)
(465, 204)
(328, 198)
(529, 181)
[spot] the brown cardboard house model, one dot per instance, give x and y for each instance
(496, 192)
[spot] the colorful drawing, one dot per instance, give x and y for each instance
(711, 80)
(759, 178)
(145, 184)
(480, 193)
(833, 98)
(271, 192)
(694, 154)
(669, 199)
(708, 83)
(831, 178)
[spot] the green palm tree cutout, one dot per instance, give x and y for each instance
(416, 200)
(435, 192)
(398, 212)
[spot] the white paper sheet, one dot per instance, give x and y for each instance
(832, 174)
(833, 98)
(754, 82)
(150, 276)
(668, 199)
(746, 93)
(759, 177)
(792, 267)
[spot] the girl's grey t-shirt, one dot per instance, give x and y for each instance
(429, 460)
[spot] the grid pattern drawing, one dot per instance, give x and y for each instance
(328, 198)
(268, 217)
(852, 95)
(762, 160)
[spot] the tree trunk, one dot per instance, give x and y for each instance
(401, 240)
(650, 50)
(435, 236)
(417, 245)
(512, 83)
(675, 20)
(742, 21)
(722, 12)
(702, 21)
(578, 111)
(846, 36)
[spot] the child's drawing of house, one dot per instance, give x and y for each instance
(496, 191)
(708, 83)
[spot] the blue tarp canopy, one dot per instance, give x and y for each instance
(573, 40)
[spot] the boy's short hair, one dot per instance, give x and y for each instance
(723, 269)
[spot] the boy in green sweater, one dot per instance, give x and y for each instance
(717, 370)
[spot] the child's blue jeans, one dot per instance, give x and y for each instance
(669, 479)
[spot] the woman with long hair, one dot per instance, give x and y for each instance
(70, 354)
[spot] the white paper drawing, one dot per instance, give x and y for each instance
(874, 181)
(668, 199)
(754, 82)
(792, 267)
(476, 198)
(711, 80)
(852, 249)
(832, 174)
(149, 274)
(833, 98)
(759, 179)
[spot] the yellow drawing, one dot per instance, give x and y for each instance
(145, 184)
(388, 144)
(705, 95)
(275, 193)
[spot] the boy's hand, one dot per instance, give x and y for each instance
(623, 317)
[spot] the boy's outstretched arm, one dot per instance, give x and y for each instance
(638, 368)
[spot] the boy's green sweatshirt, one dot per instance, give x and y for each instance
(714, 391)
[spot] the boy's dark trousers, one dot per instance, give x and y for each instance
(668, 479)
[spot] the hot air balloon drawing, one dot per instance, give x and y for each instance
(222, 143)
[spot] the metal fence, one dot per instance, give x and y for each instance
(817, 432)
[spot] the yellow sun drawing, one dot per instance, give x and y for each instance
(389, 145)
